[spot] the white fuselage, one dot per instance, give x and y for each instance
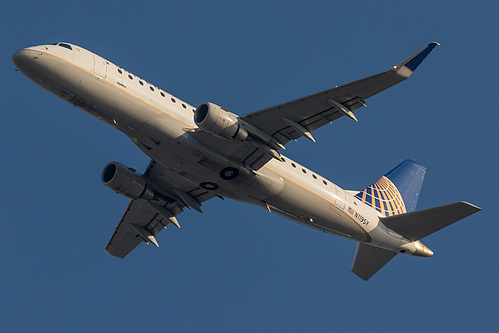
(159, 124)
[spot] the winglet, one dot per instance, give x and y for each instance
(415, 60)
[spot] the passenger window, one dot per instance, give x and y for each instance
(163, 94)
(314, 176)
(141, 83)
(150, 87)
(325, 183)
(293, 165)
(185, 107)
(304, 171)
(120, 71)
(173, 100)
(130, 77)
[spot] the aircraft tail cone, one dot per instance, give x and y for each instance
(422, 250)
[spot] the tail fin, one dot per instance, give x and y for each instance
(397, 192)
(395, 195)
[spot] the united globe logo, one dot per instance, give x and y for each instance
(383, 196)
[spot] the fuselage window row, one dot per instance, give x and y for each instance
(130, 76)
(305, 171)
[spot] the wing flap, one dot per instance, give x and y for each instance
(124, 238)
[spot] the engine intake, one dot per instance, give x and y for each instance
(126, 181)
(220, 122)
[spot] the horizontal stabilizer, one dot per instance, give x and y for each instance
(370, 259)
(419, 224)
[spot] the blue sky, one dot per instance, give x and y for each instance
(237, 268)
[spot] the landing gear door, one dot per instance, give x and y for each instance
(100, 67)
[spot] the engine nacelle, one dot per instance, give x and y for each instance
(220, 122)
(126, 181)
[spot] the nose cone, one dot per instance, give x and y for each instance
(22, 60)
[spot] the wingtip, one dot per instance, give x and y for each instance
(417, 58)
(472, 206)
(363, 277)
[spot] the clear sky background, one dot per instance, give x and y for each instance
(238, 268)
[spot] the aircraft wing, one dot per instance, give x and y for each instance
(143, 220)
(298, 118)
(273, 127)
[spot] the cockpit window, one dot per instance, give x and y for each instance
(63, 45)
(66, 46)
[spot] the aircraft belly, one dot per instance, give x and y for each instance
(165, 141)
(314, 211)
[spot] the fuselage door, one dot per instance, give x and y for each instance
(339, 199)
(100, 67)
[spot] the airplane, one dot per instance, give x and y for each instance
(199, 153)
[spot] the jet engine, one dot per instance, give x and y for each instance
(126, 181)
(220, 122)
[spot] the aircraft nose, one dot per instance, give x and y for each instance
(22, 59)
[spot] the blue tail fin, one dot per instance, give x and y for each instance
(397, 192)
